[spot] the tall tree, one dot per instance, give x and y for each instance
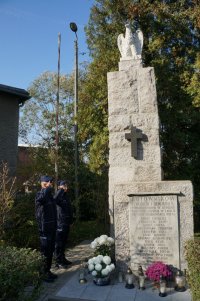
(171, 45)
(38, 125)
(38, 119)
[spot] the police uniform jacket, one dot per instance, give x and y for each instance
(64, 209)
(45, 211)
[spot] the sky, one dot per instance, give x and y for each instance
(29, 38)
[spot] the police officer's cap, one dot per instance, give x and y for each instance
(46, 179)
(62, 182)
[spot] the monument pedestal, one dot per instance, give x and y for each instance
(126, 64)
(152, 222)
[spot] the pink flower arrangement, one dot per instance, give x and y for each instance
(157, 269)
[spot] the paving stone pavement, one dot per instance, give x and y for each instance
(76, 255)
(115, 291)
(67, 287)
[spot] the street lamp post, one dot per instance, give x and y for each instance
(74, 28)
(57, 114)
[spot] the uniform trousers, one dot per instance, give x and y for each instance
(61, 240)
(47, 246)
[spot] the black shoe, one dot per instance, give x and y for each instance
(52, 275)
(61, 265)
(67, 262)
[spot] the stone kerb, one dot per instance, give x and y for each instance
(184, 192)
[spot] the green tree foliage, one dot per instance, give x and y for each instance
(171, 45)
(38, 125)
(38, 120)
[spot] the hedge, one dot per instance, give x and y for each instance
(193, 258)
(19, 269)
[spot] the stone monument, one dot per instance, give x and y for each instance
(151, 218)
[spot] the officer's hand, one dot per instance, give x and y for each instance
(48, 189)
(46, 184)
(64, 187)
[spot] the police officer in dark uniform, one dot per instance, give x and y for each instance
(64, 220)
(46, 215)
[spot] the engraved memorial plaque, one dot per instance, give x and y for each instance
(154, 229)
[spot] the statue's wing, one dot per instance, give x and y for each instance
(138, 41)
(120, 41)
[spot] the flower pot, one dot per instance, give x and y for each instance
(102, 281)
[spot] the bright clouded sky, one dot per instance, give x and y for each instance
(29, 34)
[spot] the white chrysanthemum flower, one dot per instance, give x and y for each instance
(112, 266)
(97, 260)
(94, 273)
(93, 245)
(104, 272)
(110, 240)
(98, 267)
(108, 268)
(97, 240)
(100, 258)
(102, 241)
(90, 261)
(107, 260)
(91, 267)
(104, 237)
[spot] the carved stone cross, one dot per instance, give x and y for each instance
(132, 137)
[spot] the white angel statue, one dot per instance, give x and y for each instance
(131, 45)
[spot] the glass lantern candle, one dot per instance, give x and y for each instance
(180, 282)
(82, 274)
(163, 287)
(129, 279)
(141, 278)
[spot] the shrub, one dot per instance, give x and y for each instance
(19, 268)
(83, 230)
(21, 229)
(193, 258)
(7, 193)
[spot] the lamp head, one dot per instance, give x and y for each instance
(73, 27)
